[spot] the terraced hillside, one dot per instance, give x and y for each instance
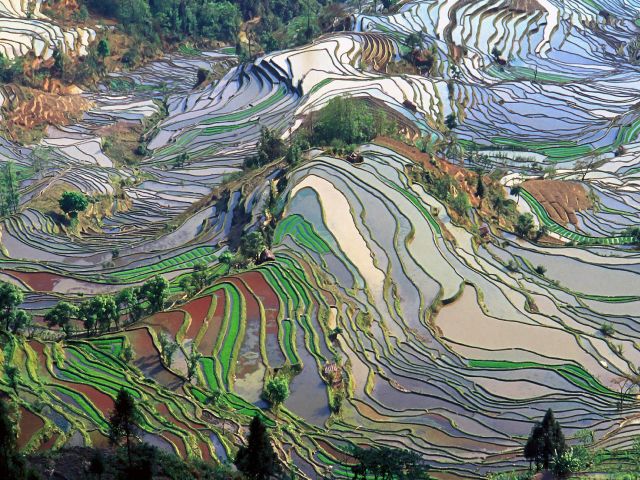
(398, 323)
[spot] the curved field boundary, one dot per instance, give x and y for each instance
(572, 373)
(555, 227)
(302, 232)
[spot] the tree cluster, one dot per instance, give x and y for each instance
(387, 463)
(101, 312)
(9, 188)
(345, 121)
(12, 318)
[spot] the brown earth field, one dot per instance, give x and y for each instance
(561, 199)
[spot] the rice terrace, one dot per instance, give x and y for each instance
(318, 239)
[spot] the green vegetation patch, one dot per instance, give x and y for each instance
(572, 373)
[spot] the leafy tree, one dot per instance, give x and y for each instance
(155, 291)
(11, 317)
(128, 304)
(524, 225)
(413, 40)
(193, 361)
(277, 391)
(633, 232)
(270, 148)
(460, 204)
(501, 205)
(9, 192)
(197, 281)
(227, 258)
(545, 441)
(61, 315)
(252, 244)
(11, 463)
(294, 154)
(167, 347)
(257, 460)
(103, 49)
(72, 202)
(98, 312)
(451, 122)
(124, 421)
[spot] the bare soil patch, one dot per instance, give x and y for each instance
(561, 199)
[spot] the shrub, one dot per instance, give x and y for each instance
(607, 330)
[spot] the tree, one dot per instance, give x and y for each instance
(124, 421)
(257, 460)
(11, 317)
(277, 392)
(479, 187)
(97, 464)
(460, 204)
(127, 352)
(451, 122)
(167, 347)
(349, 121)
(252, 244)
(61, 315)
(103, 49)
(193, 361)
(634, 233)
(545, 441)
(72, 202)
(9, 193)
(270, 148)
(128, 304)
(586, 165)
(388, 463)
(98, 312)
(155, 291)
(197, 281)
(413, 40)
(524, 225)
(11, 463)
(227, 258)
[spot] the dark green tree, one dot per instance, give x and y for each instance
(103, 49)
(451, 122)
(252, 244)
(61, 315)
(545, 441)
(524, 225)
(72, 202)
(124, 421)
(156, 292)
(9, 191)
(480, 187)
(98, 312)
(11, 463)
(128, 304)
(257, 460)
(11, 317)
